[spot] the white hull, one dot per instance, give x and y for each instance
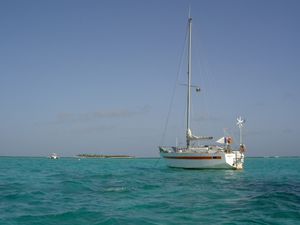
(204, 160)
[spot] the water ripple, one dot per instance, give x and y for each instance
(112, 191)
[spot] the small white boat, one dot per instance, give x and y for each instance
(203, 156)
(54, 156)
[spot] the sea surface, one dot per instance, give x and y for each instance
(145, 191)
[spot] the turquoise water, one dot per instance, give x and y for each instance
(145, 191)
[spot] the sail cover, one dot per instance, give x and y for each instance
(192, 137)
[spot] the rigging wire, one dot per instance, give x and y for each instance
(174, 89)
(207, 79)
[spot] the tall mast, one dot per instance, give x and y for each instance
(189, 73)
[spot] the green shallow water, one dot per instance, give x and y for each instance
(145, 191)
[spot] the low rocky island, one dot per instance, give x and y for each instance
(105, 156)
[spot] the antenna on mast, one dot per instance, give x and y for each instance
(189, 10)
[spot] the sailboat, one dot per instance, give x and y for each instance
(202, 156)
(53, 156)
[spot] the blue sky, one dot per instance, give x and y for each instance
(98, 76)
